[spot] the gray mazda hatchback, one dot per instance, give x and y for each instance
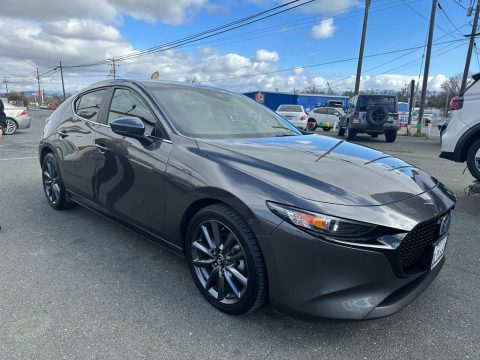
(316, 226)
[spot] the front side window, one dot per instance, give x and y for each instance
(87, 106)
(321, 111)
(209, 113)
(127, 103)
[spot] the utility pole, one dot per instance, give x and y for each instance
(362, 46)
(6, 85)
(427, 64)
(330, 92)
(114, 70)
(63, 84)
(411, 105)
(470, 48)
(446, 104)
(38, 81)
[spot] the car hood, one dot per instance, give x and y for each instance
(323, 169)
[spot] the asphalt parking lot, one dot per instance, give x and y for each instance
(74, 285)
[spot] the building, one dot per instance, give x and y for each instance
(273, 100)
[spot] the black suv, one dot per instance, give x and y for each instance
(371, 114)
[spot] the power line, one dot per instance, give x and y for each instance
(448, 17)
(214, 32)
(329, 62)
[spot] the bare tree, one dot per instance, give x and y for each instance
(452, 84)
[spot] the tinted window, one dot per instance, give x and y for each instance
(333, 112)
(207, 113)
(88, 105)
(366, 102)
(127, 103)
(321, 111)
(290, 108)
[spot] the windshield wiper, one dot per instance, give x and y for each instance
(285, 128)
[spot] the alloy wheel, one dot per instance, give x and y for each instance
(51, 181)
(11, 127)
(219, 262)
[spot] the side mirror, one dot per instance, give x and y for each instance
(128, 126)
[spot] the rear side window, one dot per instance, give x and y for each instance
(290, 108)
(87, 105)
(366, 102)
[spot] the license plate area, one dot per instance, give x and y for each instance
(438, 251)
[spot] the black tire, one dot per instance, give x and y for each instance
(254, 289)
(377, 115)
(326, 128)
(341, 131)
(390, 136)
(11, 127)
(53, 186)
(473, 159)
(374, 136)
(311, 124)
(351, 133)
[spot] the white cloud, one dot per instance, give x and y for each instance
(323, 30)
(265, 55)
(298, 71)
(82, 28)
(168, 11)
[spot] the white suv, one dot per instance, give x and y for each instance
(461, 140)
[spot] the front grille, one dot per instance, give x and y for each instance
(416, 246)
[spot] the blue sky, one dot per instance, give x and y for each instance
(323, 31)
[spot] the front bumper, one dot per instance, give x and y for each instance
(311, 278)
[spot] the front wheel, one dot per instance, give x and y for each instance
(225, 260)
(11, 127)
(351, 133)
(390, 136)
(473, 159)
(52, 184)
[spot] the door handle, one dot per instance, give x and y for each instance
(101, 148)
(63, 133)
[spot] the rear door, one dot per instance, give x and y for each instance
(130, 177)
(75, 141)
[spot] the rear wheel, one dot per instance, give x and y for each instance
(351, 133)
(390, 136)
(341, 131)
(52, 184)
(225, 260)
(473, 159)
(11, 127)
(326, 128)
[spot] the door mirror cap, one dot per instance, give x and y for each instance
(128, 126)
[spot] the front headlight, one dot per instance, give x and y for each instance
(320, 223)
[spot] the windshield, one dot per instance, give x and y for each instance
(207, 113)
(290, 108)
(366, 102)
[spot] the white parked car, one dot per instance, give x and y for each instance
(324, 117)
(461, 140)
(295, 114)
(17, 117)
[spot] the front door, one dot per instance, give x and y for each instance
(130, 177)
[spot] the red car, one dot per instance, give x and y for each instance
(52, 106)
